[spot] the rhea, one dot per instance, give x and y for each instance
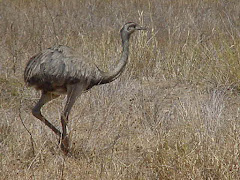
(61, 70)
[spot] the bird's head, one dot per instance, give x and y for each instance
(129, 28)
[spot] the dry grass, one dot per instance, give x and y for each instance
(173, 114)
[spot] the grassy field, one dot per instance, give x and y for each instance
(173, 114)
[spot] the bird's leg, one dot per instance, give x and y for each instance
(64, 137)
(36, 111)
(72, 94)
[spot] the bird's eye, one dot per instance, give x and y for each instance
(131, 27)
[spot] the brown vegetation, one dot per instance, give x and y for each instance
(173, 114)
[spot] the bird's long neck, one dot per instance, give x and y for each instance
(111, 76)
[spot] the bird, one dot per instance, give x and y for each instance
(60, 70)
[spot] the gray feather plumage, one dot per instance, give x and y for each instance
(57, 67)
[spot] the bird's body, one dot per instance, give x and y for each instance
(61, 70)
(55, 68)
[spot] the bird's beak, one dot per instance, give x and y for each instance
(140, 28)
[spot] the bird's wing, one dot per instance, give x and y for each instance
(59, 65)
